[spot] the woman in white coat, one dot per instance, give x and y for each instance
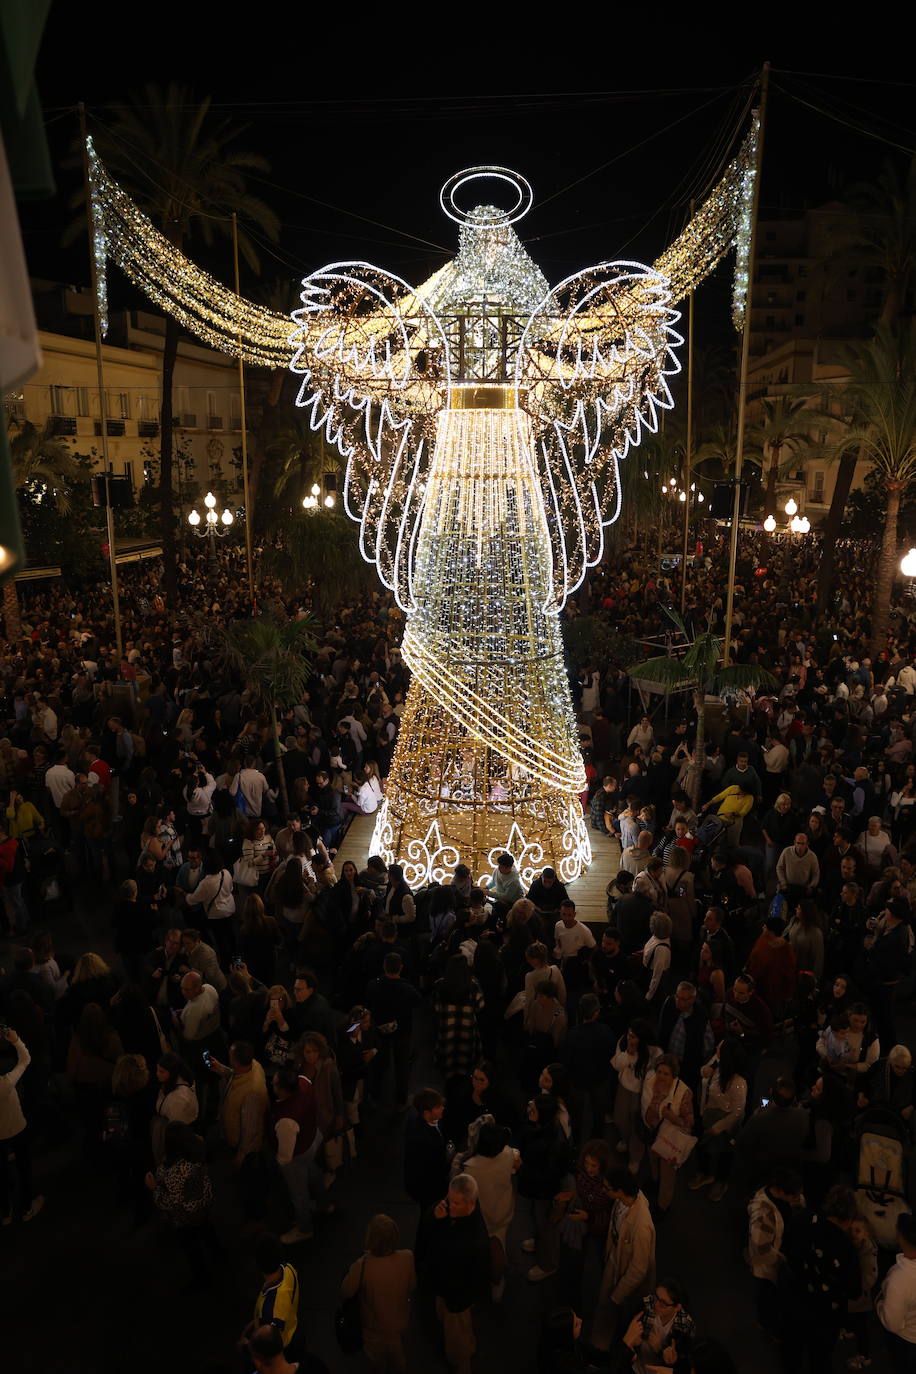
(493, 1164)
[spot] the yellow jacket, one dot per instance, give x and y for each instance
(733, 804)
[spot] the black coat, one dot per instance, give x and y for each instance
(454, 1254)
(426, 1161)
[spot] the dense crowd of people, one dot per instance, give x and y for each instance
(734, 1027)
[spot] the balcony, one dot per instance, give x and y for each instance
(147, 429)
(113, 428)
(63, 424)
(186, 420)
(214, 422)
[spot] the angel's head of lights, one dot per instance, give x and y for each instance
(487, 216)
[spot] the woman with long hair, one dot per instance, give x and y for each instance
(291, 894)
(176, 1100)
(259, 939)
(457, 1002)
(635, 1054)
(806, 936)
(319, 1066)
(723, 1101)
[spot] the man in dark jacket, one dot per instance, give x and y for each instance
(587, 1055)
(890, 958)
(325, 808)
(684, 1030)
(453, 1250)
(392, 1001)
(773, 1136)
(426, 1152)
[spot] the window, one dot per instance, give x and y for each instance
(771, 235)
(147, 407)
(118, 405)
(82, 400)
(63, 400)
(817, 488)
(235, 409)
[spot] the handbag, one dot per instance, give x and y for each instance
(348, 1322)
(672, 1144)
(244, 872)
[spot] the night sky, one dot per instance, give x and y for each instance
(370, 127)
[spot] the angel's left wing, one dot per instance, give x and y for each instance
(373, 359)
(592, 372)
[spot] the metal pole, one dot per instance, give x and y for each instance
(742, 373)
(249, 560)
(103, 407)
(688, 457)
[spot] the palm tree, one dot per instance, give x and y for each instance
(181, 165)
(883, 234)
(881, 400)
(42, 463)
(302, 455)
(317, 548)
(269, 655)
(699, 670)
(786, 424)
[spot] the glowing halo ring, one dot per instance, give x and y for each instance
(523, 191)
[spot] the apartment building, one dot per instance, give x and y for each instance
(806, 303)
(64, 394)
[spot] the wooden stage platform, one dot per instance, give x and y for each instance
(587, 893)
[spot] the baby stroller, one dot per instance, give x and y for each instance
(881, 1173)
(710, 833)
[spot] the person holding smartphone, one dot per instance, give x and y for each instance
(662, 1333)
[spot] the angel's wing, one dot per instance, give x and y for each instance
(373, 359)
(592, 370)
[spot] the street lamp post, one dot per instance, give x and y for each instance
(213, 526)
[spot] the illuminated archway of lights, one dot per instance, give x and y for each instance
(481, 417)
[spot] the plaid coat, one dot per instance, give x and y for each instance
(457, 1037)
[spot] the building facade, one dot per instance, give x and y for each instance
(64, 395)
(806, 304)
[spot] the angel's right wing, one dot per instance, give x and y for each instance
(373, 361)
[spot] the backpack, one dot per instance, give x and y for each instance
(240, 803)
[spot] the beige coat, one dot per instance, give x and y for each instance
(630, 1263)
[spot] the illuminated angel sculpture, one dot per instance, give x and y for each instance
(482, 417)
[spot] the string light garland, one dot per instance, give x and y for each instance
(482, 418)
(123, 233)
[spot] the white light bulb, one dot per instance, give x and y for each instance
(316, 490)
(791, 506)
(329, 500)
(226, 517)
(796, 525)
(908, 564)
(211, 517)
(682, 496)
(769, 524)
(193, 518)
(804, 525)
(210, 500)
(700, 496)
(672, 482)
